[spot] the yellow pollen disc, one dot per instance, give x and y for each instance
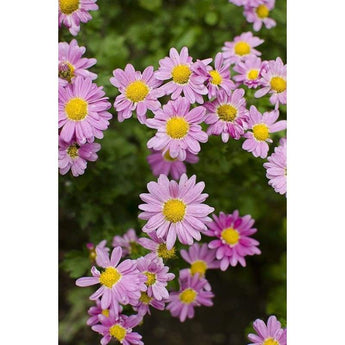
(109, 277)
(137, 91)
(278, 84)
(253, 74)
(151, 278)
(174, 210)
(118, 332)
(230, 236)
(66, 71)
(105, 312)
(168, 158)
(260, 132)
(270, 341)
(72, 151)
(92, 255)
(216, 77)
(242, 48)
(177, 127)
(198, 266)
(164, 253)
(262, 11)
(144, 298)
(68, 6)
(76, 109)
(227, 112)
(181, 74)
(188, 296)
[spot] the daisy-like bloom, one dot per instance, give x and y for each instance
(164, 164)
(179, 68)
(192, 294)
(227, 115)
(145, 302)
(92, 249)
(72, 12)
(272, 334)
(261, 125)
(276, 169)
(138, 92)
(74, 157)
(274, 82)
(128, 242)
(178, 129)
(120, 283)
(72, 64)
(249, 71)
(259, 14)
(233, 242)
(241, 48)
(83, 111)
(95, 312)
(175, 209)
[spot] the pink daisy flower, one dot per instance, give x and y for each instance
(276, 168)
(249, 71)
(128, 242)
(83, 111)
(258, 14)
(72, 12)
(164, 164)
(241, 48)
(138, 92)
(272, 334)
(145, 302)
(92, 249)
(175, 209)
(95, 312)
(274, 82)
(227, 115)
(120, 283)
(74, 157)
(178, 129)
(233, 242)
(192, 294)
(72, 64)
(179, 68)
(261, 125)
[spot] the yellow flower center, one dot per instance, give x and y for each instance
(227, 112)
(262, 11)
(198, 266)
(92, 255)
(118, 332)
(177, 127)
(110, 277)
(260, 132)
(181, 74)
(168, 158)
(253, 74)
(165, 253)
(216, 77)
(68, 6)
(151, 278)
(174, 210)
(72, 151)
(278, 84)
(66, 71)
(105, 312)
(76, 109)
(137, 91)
(230, 236)
(270, 341)
(144, 298)
(188, 296)
(242, 48)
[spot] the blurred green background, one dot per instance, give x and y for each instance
(104, 201)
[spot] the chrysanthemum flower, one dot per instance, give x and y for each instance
(83, 111)
(175, 209)
(191, 294)
(233, 242)
(276, 168)
(249, 71)
(145, 302)
(95, 312)
(179, 68)
(128, 242)
(72, 12)
(227, 115)
(74, 157)
(272, 334)
(92, 249)
(274, 82)
(164, 164)
(241, 48)
(138, 92)
(178, 129)
(72, 64)
(259, 14)
(261, 125)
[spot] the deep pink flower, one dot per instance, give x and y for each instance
(259, 14)
(249, 71)
(128, 242)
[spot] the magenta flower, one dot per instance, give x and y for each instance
(179, 68)
(128, 242)
(227, 115)
(272, 334)
(72, 12)
(233, 242)
(276, 168)
(83, 111)
(261, 125)
(249, 71)
(192, 294)
(178, 129)
(258, 14)
(175, 209)
(138, 92)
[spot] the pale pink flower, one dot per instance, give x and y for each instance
(249, 71)
(259, 14)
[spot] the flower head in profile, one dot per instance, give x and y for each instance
(128, 242)
(249, 71)
(259, 14)
(92, 249)
(145, 302)
(95, 312)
